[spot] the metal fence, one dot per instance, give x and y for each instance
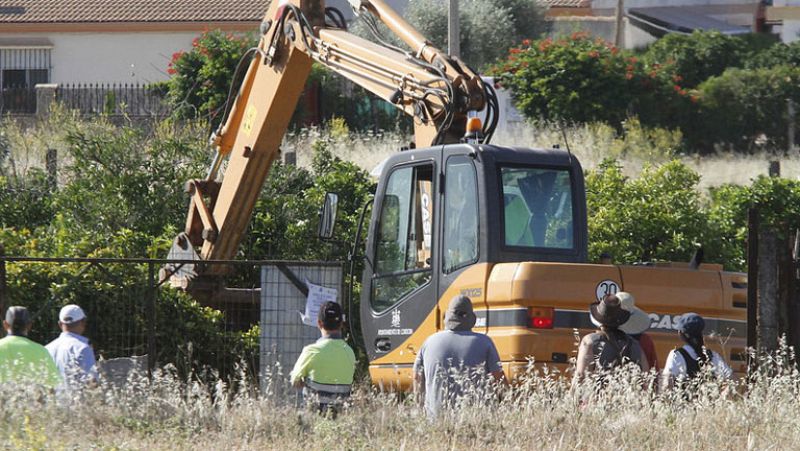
(133, 100)
(284, 293)
(133, 313)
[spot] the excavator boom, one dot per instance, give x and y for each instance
(434, 88)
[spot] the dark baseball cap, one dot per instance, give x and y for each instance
(691, 324)
(330, 314)
(18, 315)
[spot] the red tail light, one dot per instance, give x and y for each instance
(541, 317)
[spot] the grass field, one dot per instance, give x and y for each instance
(540, 413)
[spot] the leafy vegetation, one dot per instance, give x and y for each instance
(201, 78)
(719, 91)
(579, 79)
(748, 106)
(488, 28)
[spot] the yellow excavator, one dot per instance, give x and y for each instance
(506, 226)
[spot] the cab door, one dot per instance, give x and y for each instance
(399, 285)
(462, 231)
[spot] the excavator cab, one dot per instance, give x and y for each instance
(441, 212)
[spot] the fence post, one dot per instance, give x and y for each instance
(792, 116)
(51, 163)
(152, 328)
(768, 302)
(785, 279)
(45, 98)
(775, 168)
(794, 293)
(752, 287)
(3, 286)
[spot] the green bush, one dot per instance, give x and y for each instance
(658, 216)
(697, 56)
(202, 77)
(129, 178)
(741, 105)
(26, 202)
(577, 79)
(286, 215)
(114, 296)
(776, 199)
(779, 54)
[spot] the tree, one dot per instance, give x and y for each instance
(488, 27)
(779, 54)
(129, 177)
(741, 106)
(697, 56)
(578, 79)
(202, 77)
(658, 216)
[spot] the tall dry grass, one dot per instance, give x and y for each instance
(541, 412)
(24, 146)
(591, 143)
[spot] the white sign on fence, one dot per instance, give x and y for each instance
(317, 296)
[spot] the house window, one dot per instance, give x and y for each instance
(24, 67)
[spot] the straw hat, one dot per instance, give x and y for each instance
(638, 322)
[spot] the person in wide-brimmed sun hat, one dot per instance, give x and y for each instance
(609, 347)
(636, 326)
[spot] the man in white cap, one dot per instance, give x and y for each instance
(71, 351)
(445, 357)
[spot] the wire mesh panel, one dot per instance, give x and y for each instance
(112, 295)
(283, 334)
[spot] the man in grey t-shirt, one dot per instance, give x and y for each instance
(455, 356)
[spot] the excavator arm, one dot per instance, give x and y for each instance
(435, 89)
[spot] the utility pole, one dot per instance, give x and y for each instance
(618, 25)
(453, 32)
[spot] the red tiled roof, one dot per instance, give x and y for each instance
(566, 3)
(92, 11)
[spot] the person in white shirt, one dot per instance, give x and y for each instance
(686, 362)
(71, 351)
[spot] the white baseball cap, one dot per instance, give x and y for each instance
(70, 314)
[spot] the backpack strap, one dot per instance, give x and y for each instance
(692, 366)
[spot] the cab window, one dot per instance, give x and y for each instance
(460, 236)
(403, 244)
(537, 207)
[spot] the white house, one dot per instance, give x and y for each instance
(784, 15)
(646, 20)
(113, 41)
(107, 41)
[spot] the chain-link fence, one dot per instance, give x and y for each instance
(134, 314)
(286, 288)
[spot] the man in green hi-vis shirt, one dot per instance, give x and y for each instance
(21, 360)
(325, 368)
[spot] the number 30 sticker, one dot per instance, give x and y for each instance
(606, 287)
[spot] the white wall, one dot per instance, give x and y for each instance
(612, 4)
(790, 31)
(111, 57)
